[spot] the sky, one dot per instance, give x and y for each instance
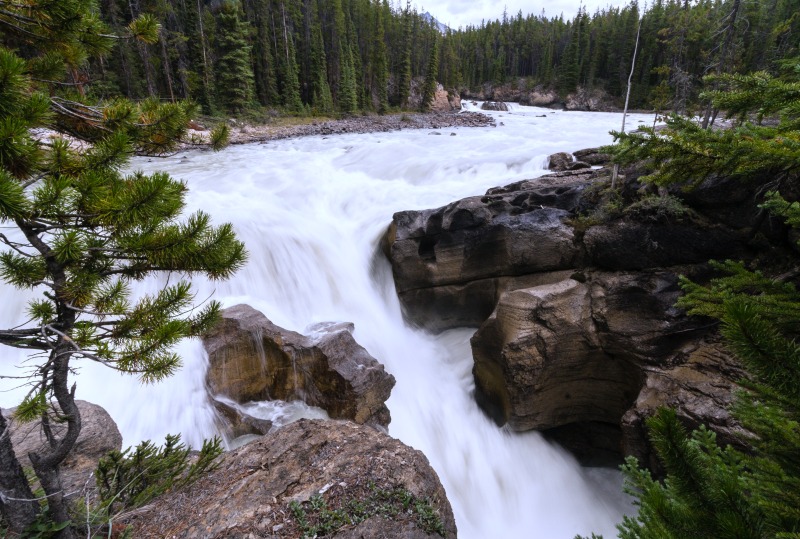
(455, 13)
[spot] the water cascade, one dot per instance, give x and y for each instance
(311, 212)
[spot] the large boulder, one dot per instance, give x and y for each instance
(250, 359)
(352, 469)
(99, 435)
(452, 264)
(575, 302)
(579, 352)
(494, 105)
(445, 101)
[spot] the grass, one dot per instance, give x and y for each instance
(320, 517)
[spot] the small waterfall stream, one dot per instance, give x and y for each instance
(311, 212)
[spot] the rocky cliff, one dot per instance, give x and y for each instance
(307, 479)
(573, 289)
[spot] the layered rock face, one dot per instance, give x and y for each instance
(250, 493)
(579, 336)
(250, 358)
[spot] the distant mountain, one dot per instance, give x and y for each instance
(427, 17)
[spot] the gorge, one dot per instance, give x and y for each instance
(312, 212)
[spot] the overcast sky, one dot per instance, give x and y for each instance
(455, 13)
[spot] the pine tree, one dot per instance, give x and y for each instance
(234, 74)
(430, 85)
(83, 232)
(712, 492)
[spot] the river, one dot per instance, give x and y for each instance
(311, 212)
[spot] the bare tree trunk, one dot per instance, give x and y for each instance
(17, 506)
(167, 65)
(142, 48)
(722, 66)
(615, 172)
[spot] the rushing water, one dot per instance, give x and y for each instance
(311, 212)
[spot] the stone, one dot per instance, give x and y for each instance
(238, 423)
(250, 359)
(494, 105)
(630, 245)
(592, 156)
(559, 161)
(699, 383)
(99, 435)
(583, 354)
(250, 492)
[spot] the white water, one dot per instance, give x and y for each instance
(311, 212)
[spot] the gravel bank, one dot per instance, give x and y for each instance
(361, 124)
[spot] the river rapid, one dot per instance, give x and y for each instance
(311, 212)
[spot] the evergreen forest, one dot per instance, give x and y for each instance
(342, 56)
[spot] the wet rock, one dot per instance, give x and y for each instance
(99, 435)
(578, 353)
(494, 105)
(559, 161)
(238, 423)
(250, 358)
(592, 156)
(250, 493)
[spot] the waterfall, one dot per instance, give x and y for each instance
(311, 212)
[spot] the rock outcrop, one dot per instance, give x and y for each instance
(99, 435)
(579, 334)
(255, 488)
(495, 106)
(250, 358)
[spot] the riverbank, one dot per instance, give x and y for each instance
(245, 133)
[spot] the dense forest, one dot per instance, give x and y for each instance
(315, 56)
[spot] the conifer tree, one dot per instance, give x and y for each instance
(379, 61)
(429, 89)
(709, 491)
(82, 232)
(404, 80)
(234, 74)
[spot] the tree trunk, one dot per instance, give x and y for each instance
(615, 172)
(722, 66)
(17, 506)
(46, 464)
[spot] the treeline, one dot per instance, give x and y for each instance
(325, 56)
(679, 43)
(304, 56)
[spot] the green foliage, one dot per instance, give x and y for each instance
(685, 153)
(715, 492)
(657, 209)
(82, 232)
(316, 518)
(135, 476)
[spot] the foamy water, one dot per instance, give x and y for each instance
(311, 212)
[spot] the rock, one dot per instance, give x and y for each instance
(592, 156)
(479, 242)
(699, 383)
(628, 245)
(589, 100)
(238, 423)
(99, 435)
(444, 101)
(250, 493)
(250, 358)
(494, 105)
(576, 320)
(559, 161)
(577, 354)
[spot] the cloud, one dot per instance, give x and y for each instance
(461, 13)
